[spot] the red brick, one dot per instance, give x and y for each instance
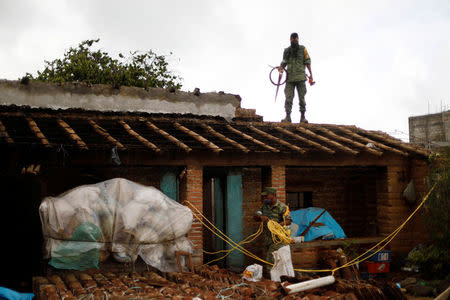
(191, 189)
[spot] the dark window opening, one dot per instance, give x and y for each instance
(298, 200)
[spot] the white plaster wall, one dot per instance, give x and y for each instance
(104, 98)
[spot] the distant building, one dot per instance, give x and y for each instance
(431, 131)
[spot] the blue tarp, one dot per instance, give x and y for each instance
(9, 294)
(303, 217)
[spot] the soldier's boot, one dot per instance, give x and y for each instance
(302, 118)
(287, 118)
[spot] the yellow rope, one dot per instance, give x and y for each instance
(249, 239)
(222, 235)
(229, 241)
(279, 233)
(390, 237)
(354, 261)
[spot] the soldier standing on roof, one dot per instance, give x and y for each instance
(295, 58)
(272, 209)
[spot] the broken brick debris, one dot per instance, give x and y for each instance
(208, 282)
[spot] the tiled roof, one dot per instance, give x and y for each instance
(161, 133)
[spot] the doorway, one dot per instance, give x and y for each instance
(22, 239)
(222, 203)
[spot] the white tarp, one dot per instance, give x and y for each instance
(117, 217)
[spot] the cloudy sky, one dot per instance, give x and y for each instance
(375, 62)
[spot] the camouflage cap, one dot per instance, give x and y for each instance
(269, 190)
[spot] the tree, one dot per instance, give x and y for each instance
(83, 64)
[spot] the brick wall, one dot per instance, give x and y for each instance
(365, 201)
(397, 209)
(253, 181)
(191, 189)
(348, 194)
(279, 181)
(394, 207)
(251, 202)
(419, 173)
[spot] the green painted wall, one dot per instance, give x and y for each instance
(170, 184)
(234, 216)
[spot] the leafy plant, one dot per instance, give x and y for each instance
(84, 64)
(434, 260)
(350, 249)
(437, 208)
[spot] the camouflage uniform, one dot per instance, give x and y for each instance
(274, 213)
(296, 76)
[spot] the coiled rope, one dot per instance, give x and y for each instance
(279, 233)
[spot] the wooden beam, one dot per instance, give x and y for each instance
(250, 138)
(336, 242)
(4, 134)
(304, 140)
(276, 139)
(391, 140)
(326, 140)
(72, 134)
(100, 130)
(210, 145)
(256, 159)
(168, 136)
(37, 132)
(347, 140)
(211, 131)
(140, 138)
(367, 140)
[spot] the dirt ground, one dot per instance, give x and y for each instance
(409, 297)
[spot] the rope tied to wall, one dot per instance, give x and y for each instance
(379, 246)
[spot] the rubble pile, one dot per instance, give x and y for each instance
(344, 289)
(208, 282)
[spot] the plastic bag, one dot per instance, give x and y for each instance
(410, 193)
(294, 229)
(129, 219)
(283, 264)
(253, 273)
(80, 254)
(163, 254)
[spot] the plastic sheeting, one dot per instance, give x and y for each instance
(9, 294)
(282, 265)
(117, 217)
(303, 217)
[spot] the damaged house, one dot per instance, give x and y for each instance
(204, 149)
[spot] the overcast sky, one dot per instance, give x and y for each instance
(375, 62)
